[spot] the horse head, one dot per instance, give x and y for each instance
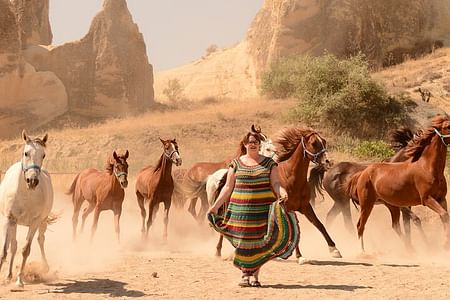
(171, 151)
(32, 158)
(267, 148)
(315, 148)
(120, 168)
(441, 125)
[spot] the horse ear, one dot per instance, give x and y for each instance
(25, 136)
(115, 155)
(126, 154)
(253, 128)
(45, 138)
(162, 141)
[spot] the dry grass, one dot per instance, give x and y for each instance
(208, 133)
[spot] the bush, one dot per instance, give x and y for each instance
(338, 94)
(378, 150)
(174, 90)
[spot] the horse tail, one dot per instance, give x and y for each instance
(52, 218)
(72, 186)
(315, 181)
(351, 187)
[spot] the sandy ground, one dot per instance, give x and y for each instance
(185, 266)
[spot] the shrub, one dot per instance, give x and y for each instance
(174, 90)
(378, 150)
(338, 94)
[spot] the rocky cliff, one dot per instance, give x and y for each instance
(27, 98)
(107, 72)
(387, 32)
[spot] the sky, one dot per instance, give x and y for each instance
(176, 32)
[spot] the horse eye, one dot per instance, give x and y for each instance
(26, 154)
(43, 156)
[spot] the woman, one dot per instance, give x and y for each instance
(255, 224)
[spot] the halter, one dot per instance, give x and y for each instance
(442, 136)
(169, 156)
(120, 173)
(35, 167)
(314, 155)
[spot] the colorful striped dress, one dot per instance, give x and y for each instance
(255, 224)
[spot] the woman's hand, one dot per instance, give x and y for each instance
(283, 197)
(213, 210)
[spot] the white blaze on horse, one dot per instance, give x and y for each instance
(26, 198)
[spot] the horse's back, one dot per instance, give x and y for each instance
(212, 183)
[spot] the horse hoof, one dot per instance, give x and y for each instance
(335, 253)
(19, 284)
(304, 261)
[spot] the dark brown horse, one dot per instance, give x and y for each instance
(103, 190)
(296, 147)
(419, 180)
(333, 180)
(155, 185)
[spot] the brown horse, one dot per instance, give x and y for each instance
(102, 190)
(333, 180)
(419, 180)
(155, 185)
(296, 147)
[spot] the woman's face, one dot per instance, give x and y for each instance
(252, 145)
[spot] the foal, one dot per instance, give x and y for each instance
(103, 191)
(155, 184)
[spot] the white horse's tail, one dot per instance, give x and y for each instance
(52, 218)
(72, 187)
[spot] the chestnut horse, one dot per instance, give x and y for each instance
(155, 185)
(419, 180)
(296, 147)
(333, 180)
(103, 190)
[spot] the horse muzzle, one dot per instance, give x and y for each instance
(124, 183)
(178, 162)
(32, 183)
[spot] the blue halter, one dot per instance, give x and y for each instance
(314, 155)
(36, 167)
(442, 136)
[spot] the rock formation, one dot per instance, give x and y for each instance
(106, 73)
(27, 98)
(387, 32)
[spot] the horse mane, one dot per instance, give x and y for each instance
(288, 139)
(423, 137)
(399, 138)
(159, 163)
(38, 141)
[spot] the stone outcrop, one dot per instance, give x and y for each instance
(33, 22)
(106, 73)
(387, 32)
(27, 98)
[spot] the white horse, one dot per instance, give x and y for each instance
(26, 198)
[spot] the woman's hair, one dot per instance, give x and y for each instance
(254, 133)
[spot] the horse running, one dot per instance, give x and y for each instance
(419, 180)
(333, 180)
(26, 198)
(155, 185)
(295, 148)
(103, 190)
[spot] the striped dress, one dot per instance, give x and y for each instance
(256, 226)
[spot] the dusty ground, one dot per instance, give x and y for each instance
(185, 267)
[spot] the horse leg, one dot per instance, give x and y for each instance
(151, 207)
(347, 214)
(13, 242)
(141, 201)
(219, 246)
(204, 207)
(7, 238)
(192, 205)
(366, 209)
(332, 213)
(41, 240)
(443, 214)
(117, 210)
(85, 214)
(395, 217)
(26, 252)
(406, 216)
(311, 216)
(166, 218)
(95, 222)
(76, 213)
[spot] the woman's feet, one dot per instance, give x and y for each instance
(245, 281)
(255, 282)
